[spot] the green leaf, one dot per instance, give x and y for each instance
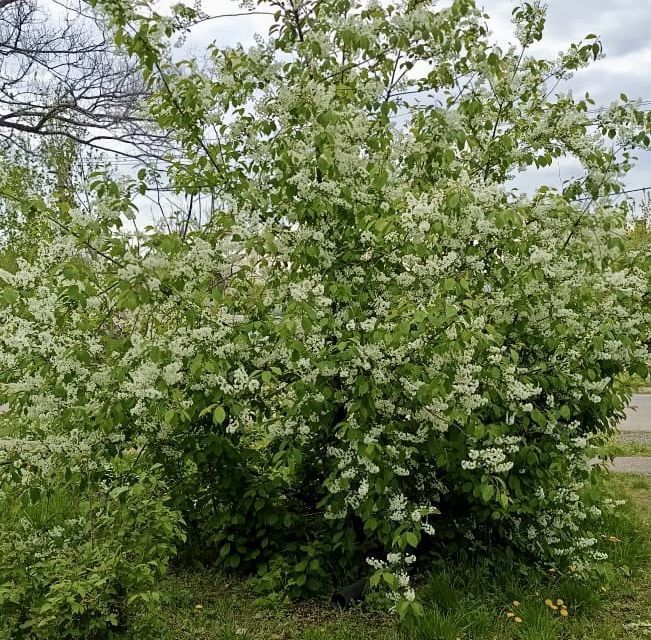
(487, 492)
(538, 417)
(411, 538)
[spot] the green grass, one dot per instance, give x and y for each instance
(638, 384)
(626, 449)
(462, 603)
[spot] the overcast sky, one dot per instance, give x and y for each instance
(623, 26)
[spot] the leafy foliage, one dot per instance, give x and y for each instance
(77, 555)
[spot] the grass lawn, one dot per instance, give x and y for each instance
(625, 449)
(468, 603)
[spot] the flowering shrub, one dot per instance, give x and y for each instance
(372, 348)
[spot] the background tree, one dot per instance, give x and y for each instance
(61, 77)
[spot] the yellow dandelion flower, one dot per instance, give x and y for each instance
(510, 614)
(517, 619)
(198, 606)
(516, 603)
(549, 603)
(564, 612)
(559, 602)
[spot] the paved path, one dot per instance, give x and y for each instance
(632, 464)
(636, 427)
(638, 415)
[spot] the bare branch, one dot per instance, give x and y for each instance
(61, 75)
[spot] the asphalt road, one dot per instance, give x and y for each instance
(636, 427)
(638, 415)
